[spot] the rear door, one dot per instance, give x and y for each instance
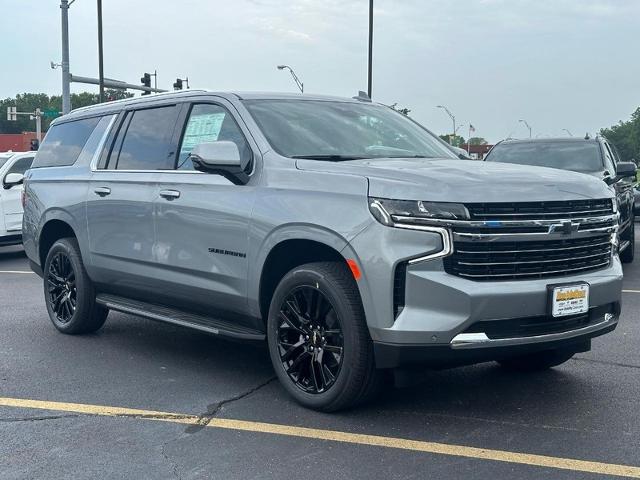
(202, 219)
(11, 197)
(120, 200)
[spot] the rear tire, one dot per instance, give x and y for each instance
(318, 338)
(538, 361)
(69, 293)
(627, 255)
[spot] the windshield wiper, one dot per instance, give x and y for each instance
(331, 158)
(408, 156)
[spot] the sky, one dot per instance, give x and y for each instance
(558, 64)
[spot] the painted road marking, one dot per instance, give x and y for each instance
(630, 291)
(14, 271)
(336, 436)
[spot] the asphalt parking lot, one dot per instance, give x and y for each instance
(146, 400)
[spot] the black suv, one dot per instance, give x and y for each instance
(593, 156)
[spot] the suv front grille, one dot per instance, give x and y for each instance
(508, 241)
(539, 210)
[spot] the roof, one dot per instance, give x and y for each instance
(551, 140)
(117, 105)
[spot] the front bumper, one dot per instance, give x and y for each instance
(10, 238)
(438, 319)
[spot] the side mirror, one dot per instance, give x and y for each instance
(12, 179)
(626, 169)
(222, 158)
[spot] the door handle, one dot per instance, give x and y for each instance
(170, 194)
(102, 191)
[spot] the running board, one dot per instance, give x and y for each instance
(624, 245)
(176, 317)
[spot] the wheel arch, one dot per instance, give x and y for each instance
(285, 249)
(56, 225)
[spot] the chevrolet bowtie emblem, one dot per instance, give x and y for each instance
(566, 228)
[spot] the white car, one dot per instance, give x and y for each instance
(13, 165)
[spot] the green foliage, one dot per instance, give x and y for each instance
(404, 110)
(626, 137)
(456, 141)
(477, 141)
(28, 102)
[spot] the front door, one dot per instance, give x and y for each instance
(12, 197)
(202, 222)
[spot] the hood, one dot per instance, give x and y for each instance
(467, 181)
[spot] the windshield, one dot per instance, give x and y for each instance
(576, 156)
(332, 130)
(3, 159)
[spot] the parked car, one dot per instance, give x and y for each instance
(593, 156)
(340, 231)
(13, 165)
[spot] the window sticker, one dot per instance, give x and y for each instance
(201, 129)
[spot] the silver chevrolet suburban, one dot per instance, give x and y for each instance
(340, 231)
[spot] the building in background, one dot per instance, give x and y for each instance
(18, 142)
(477, 152)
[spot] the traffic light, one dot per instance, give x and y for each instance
(35, 144)
(146, 82)
(178, 84)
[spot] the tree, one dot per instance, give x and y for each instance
(28, 102)
(626, 137)
(477, 141)
(404, 110)
(456, 141)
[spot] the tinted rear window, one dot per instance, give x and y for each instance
(64, 142)
(578, 156)
(147, 141)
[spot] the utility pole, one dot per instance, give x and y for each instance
(453, 118)
(100, 54)
(370, 69)
(293, 75)
(66, 95)
(12, 116)
(527, 124)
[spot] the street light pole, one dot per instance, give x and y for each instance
(293, 74)
(528, 126)
(100, 56)
(370, 68)
(453, 119)
(66, 95)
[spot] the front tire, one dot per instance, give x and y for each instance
(68, 290)
(318, 338)
(535, 362)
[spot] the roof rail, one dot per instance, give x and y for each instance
(140, 99)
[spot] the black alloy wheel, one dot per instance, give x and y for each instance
(310, 339)
(69, 293)
(62, 291)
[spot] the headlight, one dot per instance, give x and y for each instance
(394, 212)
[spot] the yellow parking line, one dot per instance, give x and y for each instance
(14, 271)
(337, 436)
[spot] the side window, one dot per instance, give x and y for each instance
(21, 166)
(211, 123)
(147, 140)
(609, 163)
(94, 143)
(64, 142)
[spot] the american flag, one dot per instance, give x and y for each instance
(472, 128)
